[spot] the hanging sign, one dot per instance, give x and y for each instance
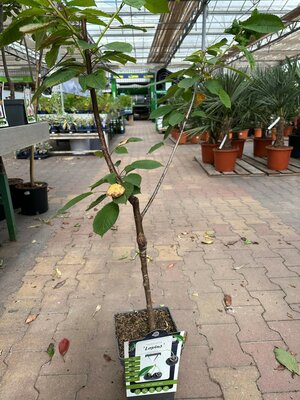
(152, 365)
(29, 109)
(3, 119)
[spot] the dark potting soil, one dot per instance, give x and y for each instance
(134, 325)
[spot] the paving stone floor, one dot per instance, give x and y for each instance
(228, 355)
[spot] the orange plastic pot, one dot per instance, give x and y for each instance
(207, 152)
(259, 146)
(279, 157)
(175, 134)
(196, 139)
(288, 130)
(257, 132)
(239, 144)
(224, 159)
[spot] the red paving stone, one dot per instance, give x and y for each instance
(228, 355)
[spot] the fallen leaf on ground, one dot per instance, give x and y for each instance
(56, 273)
(227, 300)
(123, 257)
(77, 225)
(239, 267)
(207, 241)
(231, 242)
(90, 234)
(66, 223)
(98, 308)
(293, 286)
(51, 350)
(35, 226)
(210, 234)
(63, 346)
(107, 358)
(33, 241)
(286, 359)
(114, 228)
(170, 266)
(195, 294)
(60, 284)
(31, 318)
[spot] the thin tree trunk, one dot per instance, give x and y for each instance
(5, 67)
(279, 142)
(28, 59)
(134, 201)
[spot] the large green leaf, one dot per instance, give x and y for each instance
(175, 118)
(85, 45)
(156, 147)
(248, 55)
(97, 80)
(121, 150)
(12, 33)
(285, 358)
(263, 23)
(72, 203)
(225, 99)
(96, 202)
(157, 6)
(51, 56)
(109, 178)
(161, 111)
(134, 27)
(198, 113)
(214, 86)
(82, 3)
(134, 139)
(106, 218)
(142, 164)
(186, 83)
(134, 179)
(119, 46)
(135, 3)
(31, 28)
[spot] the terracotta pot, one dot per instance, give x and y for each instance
(259, 146)
(207, 152)
(224, 159)
(279, 157)
(196, 139)
(243, 134)
(257, 132)
(239, 144)
(287, 131)
(175, 134)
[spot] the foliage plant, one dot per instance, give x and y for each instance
(64, 26)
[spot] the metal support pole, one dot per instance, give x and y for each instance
(204, 18)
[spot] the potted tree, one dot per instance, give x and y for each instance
(277, 89)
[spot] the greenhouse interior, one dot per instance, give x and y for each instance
(149, 200)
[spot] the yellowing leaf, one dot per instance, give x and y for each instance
(31, 318)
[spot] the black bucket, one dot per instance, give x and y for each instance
(15, 194)
(34, 200)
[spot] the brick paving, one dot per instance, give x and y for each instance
(229, 353)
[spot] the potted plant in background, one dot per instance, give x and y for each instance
(276, 88)
(294, 139)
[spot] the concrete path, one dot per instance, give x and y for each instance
(229, 353)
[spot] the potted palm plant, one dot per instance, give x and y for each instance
(277, 90)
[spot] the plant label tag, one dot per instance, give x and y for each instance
(152, 365)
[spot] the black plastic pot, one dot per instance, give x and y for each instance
(294, 140)
(34, 200)
(15, 194)
(15, 112)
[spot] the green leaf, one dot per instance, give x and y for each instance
(121, 150)
(248, 55)
(99, 153)
(161, 111)
(31, 28)
(106, 218)
(51, 56)
(134, 139)
(287, 360)
(51, 350)
(96, 202)
(175, 118)
(156, 146)
(225, 99)
(167, 132)
(12, 33)
(142, 164)
(134, 27)
(72, 203)
(213, 85)
(119, 46)
(134, 179)
(82, 3)
(85, 45)
(186, 83)
(97, 80)
(128, 192)
(135, 3)
(145, 370)
(263, 23)
(198, 113)
(109, 178)
(117, 163)
(157, 7)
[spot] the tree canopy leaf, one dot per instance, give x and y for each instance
(106, 218)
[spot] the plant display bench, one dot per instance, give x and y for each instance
(12, 139)
(74, 137)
